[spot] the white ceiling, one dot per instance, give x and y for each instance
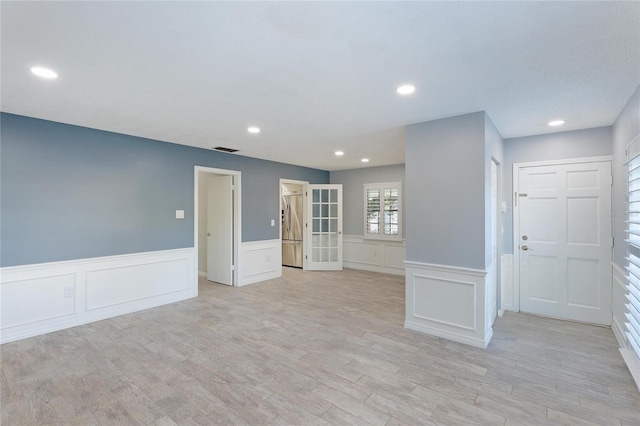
(318, 77)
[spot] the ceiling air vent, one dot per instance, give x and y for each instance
(223, 149)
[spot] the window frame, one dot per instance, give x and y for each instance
(381, 187)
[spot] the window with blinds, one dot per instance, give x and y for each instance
(633, 282)
(382, 211)
(373, 211)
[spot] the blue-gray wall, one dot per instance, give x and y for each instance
(553, 146)
(353, 192)
(70, 192)
(445, 175)
(625, 129)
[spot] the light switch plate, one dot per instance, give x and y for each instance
(179, 214)
(273, 222)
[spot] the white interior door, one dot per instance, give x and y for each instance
(324, 227)
(565, 241)
(220, 229)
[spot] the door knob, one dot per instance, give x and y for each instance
(525, 248)
(208, 234)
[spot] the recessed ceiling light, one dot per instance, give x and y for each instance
(44, 72)
(556, 123)
(339, 153)
(253, 130)
(365, 160)
(406, 89)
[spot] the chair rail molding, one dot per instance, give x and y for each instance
(448, 302)
(46, 297)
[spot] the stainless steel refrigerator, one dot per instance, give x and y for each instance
(292, 230)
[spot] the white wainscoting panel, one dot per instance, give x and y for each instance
(43, 301)
(373, 255)
(447, 302)
(506, 283)
(46, 297)
(261, 261)
(460, 311)
(618, 306)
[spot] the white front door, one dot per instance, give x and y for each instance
(324, 227)
(564, 241)
(220, 229)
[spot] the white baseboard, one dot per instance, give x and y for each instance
(448, 302)
(261, 261)
(373, 255)
(449, 335)
(506, 308)
(202, 274)
(46, 297)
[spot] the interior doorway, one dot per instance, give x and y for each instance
(293, 222)
(217, 224)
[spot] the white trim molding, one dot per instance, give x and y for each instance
(262, 260)
(373, 255)
(41, 298)
(618, 304)
(506, 283)
(448, 302)
(633, 148)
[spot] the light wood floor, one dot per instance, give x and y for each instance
(312, 348)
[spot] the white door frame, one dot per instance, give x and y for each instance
(516, 212)
(497, 226)
(304, 184)
(237, 216)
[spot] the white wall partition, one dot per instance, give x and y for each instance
(448, 302)
(46, 297)
(260, 260)
(374, 255)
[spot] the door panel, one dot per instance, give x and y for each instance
(565, 241)
(220, 229)
(583, 223)
(582, 280)
(324, 227)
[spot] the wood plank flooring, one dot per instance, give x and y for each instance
(312, 348)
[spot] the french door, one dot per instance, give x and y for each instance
(324, 227)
